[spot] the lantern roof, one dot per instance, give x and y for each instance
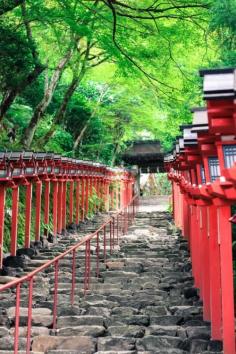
(200, 119)
(219, 83)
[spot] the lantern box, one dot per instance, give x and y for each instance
(16, 164)
(4, 167)
(29, 163)
(219, 83)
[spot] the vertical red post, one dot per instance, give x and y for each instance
(83, 198)
(59, 206)
(38, 209)
(71, 202)
(46, 205)
(64, 204)
(205, 265)
(55, 200)
(73, 277)
(91, 195)
(2, 218)
(29, 320)
(227, 286)
(17, 319)
(55, 298)
(28, 210)
(14, 226)
(104, 244)
(117, 195)
(215, 278)
(77, 202)
(86, 196)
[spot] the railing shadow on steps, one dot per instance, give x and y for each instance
(104, 239)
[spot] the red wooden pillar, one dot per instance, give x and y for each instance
(96, 191)
(194, 242)
(91, 204)
(117, 195)
(64, 204)
(14, 225)
(55, 204)
(173, 198)
(86, 196)
(59, 206)
(198, 249)
(185, 217)
(77, 202)
(71, 217)
(215, 277)
(46, 204)
(83, 197)
(38, 209)
(205, 263)
(106, 195)
(227, 286)
(28, 211)
(112, 198)
(2, 218)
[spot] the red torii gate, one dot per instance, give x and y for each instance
(203, 174)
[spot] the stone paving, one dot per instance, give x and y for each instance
(143, 302)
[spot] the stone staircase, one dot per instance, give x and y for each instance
(143, 301)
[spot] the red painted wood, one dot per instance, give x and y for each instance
(227, 288)
(28, 210)
(2, 218)
(38, 191)
(59, 207)
(205, 265)
(46, 205)
(71, 215)
(83, 197)
(77, 202)
(64, 204)
(215, 276)
(14, 225)
(55, 211)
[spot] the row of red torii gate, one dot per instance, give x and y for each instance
(203, 174)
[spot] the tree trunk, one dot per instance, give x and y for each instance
(10, 95)
(44, 103)
(116, 150)
(8, 5)
(82, 132)
(60, 114)
(80, 136)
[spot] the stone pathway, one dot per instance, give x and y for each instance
(144, 301)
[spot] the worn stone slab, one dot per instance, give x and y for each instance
(126, 331)
(156, 343)
(115, 344)
(79, 343)
(93, 331)
(79, 321)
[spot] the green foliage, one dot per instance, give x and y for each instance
(16, 59)
(163, 184)
(223, 25)
(139, 79)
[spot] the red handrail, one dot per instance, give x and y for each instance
(112, 223)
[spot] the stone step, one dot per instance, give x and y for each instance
(83, 344)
